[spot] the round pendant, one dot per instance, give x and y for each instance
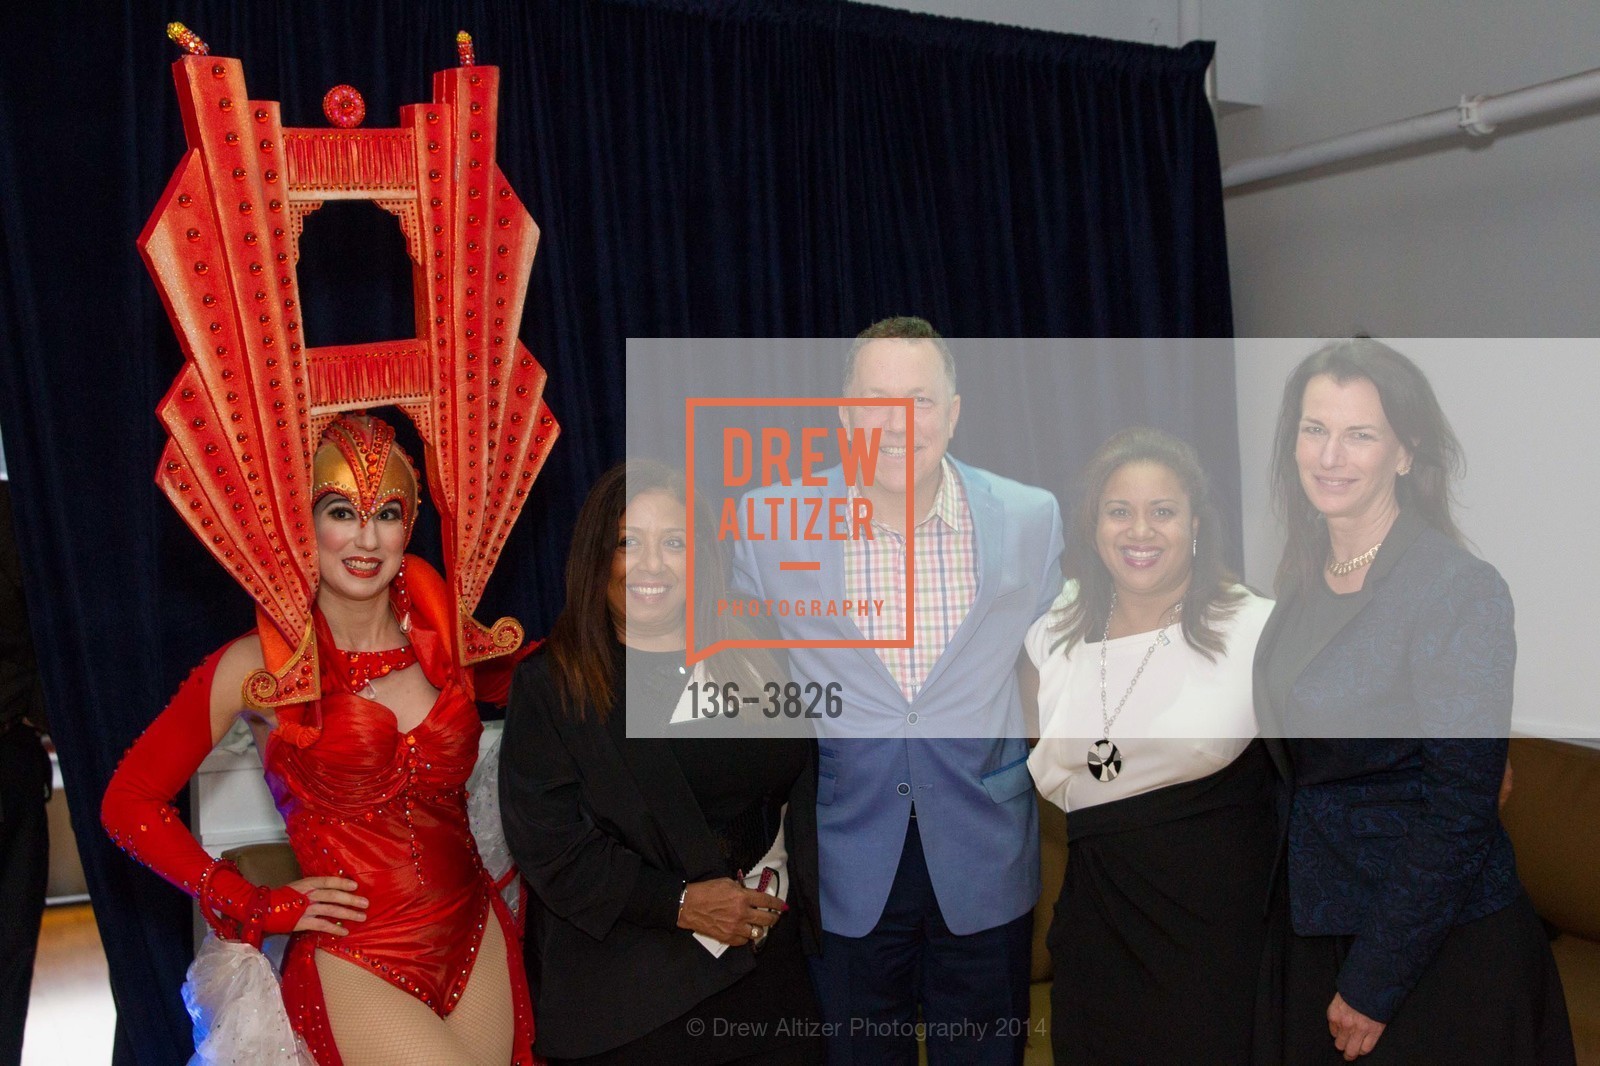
(1105, 761)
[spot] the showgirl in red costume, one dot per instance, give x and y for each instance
(400, 930)
(360, 679)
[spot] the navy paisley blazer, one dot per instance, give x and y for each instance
(1395, 841)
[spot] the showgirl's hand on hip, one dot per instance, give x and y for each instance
(725, 910)
(332, 903)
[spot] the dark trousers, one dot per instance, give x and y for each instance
(973, 989)
(24, 867)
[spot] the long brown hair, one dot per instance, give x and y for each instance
(582, 642)
(1417, 419)
(1213, 594)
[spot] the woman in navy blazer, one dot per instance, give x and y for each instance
(1387, 667)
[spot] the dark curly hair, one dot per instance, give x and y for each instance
(1214, 593)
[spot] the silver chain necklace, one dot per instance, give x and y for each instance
(1105, 761)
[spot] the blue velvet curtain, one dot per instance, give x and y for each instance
(699, 168)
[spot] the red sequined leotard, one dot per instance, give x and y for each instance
(389, 811)
(386, 809)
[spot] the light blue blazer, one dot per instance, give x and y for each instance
(973, 793)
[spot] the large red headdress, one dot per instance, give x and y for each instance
(249, 406)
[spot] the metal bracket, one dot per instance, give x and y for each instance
(1471, 120)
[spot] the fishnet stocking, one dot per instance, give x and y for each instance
(485, 1017)
(376, 1024)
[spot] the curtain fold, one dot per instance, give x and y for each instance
(699, 168)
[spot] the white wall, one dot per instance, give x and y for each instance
(1497, 239)
(1492, 239)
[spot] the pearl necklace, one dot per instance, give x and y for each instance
(1350, 566)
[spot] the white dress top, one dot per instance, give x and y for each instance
(1187, 718)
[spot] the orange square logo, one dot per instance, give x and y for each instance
(775, 456)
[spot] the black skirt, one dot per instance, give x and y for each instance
(1491, 995)
(1158, 933)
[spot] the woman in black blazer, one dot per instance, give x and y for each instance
(672, 855)
(1387, 667)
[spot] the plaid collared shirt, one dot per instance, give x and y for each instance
(946, 571)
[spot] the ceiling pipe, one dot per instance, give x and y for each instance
(1476, 116)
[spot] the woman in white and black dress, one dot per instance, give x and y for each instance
(1146, 741)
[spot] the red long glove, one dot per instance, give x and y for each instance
(137, 811)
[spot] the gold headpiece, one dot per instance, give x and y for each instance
(359, 460)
